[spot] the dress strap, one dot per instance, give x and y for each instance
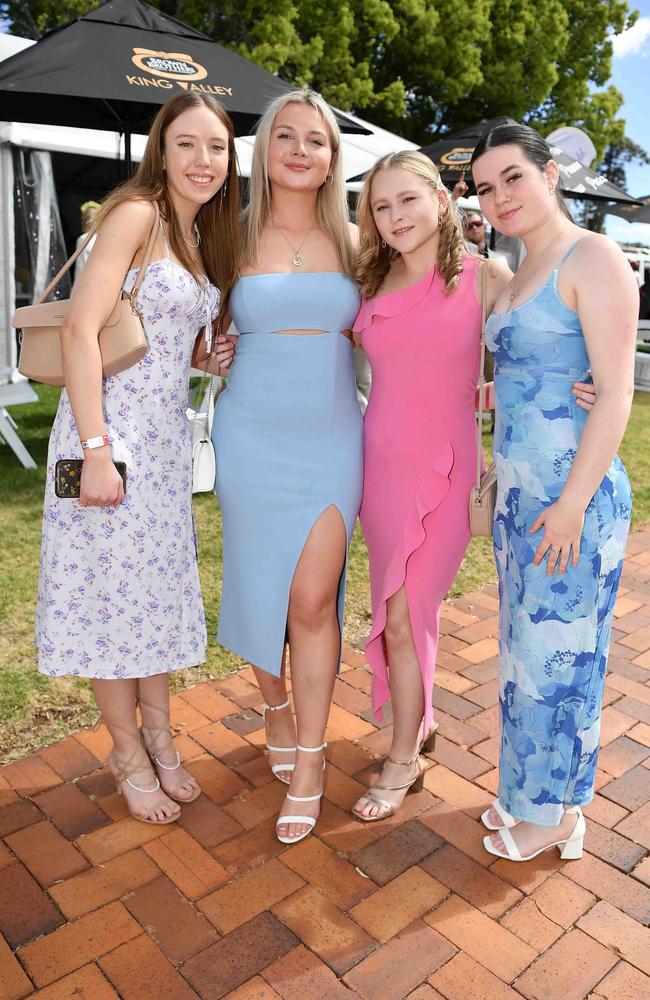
(569, 252)
(164, 239)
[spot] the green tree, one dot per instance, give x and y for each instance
(518, 62)
(577, 97)
(418, 67)
(31, 18)
(436, 57)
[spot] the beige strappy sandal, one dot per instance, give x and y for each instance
(122, 774)
(153, 734)
(387, 808)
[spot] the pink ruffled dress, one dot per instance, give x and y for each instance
(419, 456)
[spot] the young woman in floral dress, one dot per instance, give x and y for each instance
(119, 599)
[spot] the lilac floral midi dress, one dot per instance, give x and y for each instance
(119, 593)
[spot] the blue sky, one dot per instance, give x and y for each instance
(631, 65)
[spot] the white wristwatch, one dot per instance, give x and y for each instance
(96, 442)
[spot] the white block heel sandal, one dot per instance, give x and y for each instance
(570, 848)
(505, 819)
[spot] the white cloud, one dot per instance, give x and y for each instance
(627, 232)
(634, 40)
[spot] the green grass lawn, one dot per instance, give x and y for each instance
(35, 710)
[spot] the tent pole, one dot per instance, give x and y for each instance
(127, 153)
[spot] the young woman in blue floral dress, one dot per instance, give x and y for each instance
(564, 501)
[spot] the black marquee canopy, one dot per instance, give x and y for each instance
(452, 154)
(113, 67)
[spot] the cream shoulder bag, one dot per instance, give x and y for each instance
(122, 340)
(482, 500)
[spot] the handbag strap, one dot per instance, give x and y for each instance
(207, 396)
(481, 377)
(145, 262)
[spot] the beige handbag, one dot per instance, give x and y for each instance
(122, 340)
(482, 500)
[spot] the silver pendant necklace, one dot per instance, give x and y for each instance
(297, 259)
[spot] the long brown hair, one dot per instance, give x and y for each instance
(374, 260)
(217, 220)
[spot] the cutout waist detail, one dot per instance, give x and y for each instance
(297, 333)
(309, 302)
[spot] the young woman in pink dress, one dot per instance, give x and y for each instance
(420, 326)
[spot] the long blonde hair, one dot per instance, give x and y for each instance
(217, 220)
(331, 203)
(374, 260)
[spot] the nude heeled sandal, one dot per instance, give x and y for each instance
(389, 808)
(277, 768)
(570, 847)
(427, 745)
(155, 732)
(308, 820)
(506, 820)
(121, 773)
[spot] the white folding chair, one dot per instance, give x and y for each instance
(10, 395)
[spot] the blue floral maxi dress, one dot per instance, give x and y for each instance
(119, 593)
(554, 630)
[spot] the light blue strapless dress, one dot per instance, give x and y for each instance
(288, 437)
(555, 630)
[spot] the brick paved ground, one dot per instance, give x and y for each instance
(94, 905)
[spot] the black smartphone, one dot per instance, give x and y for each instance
(67, 477)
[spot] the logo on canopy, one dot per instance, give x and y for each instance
(457, 158)
(171, 68)
(169, 65)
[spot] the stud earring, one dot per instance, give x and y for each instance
(384, 244)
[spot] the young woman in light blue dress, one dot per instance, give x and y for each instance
(564, 501)
(289, 440)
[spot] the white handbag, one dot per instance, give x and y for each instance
(204, 466)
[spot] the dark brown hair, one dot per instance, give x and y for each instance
(536, 149)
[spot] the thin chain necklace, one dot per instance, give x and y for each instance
(297, 258)
(515, 291)
(193, 246)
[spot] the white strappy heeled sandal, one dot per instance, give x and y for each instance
(506, 820)
(307, 820)
(278, 768)
(570, 847)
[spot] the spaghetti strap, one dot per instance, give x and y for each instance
(568, 253)
(164, 239)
